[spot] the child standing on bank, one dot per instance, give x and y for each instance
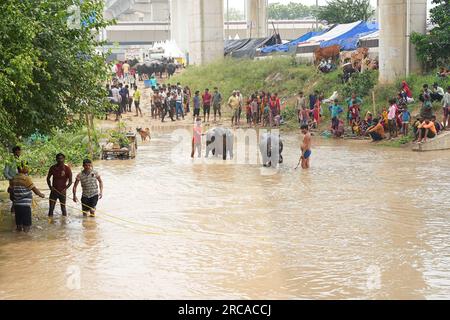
(406, 118)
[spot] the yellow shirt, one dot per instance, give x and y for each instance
(137, 95)
(126, 68)
(234, 102)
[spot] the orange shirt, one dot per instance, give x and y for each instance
(430, 126)
(378, 129)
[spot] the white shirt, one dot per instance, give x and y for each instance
(446, 100)
(115, 94)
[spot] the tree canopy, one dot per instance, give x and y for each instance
(345, 11)
(50, 70)
(433, 48)
(290, 11)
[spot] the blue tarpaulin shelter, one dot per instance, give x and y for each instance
(349, 40)
(345, 35)
(285, 47)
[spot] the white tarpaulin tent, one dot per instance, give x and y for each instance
(372, 36)
(335, 32)
(170, 48)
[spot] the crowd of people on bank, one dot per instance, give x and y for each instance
(264, 109)
(397, 119)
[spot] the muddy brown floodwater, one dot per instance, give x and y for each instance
(364, 222)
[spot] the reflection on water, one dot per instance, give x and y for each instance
(364, 222)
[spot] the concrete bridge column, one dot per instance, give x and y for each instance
(160, 10)
(206, 31)
(256, 18)
(396, 58)
(179, 23)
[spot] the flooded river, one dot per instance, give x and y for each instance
(364, 222)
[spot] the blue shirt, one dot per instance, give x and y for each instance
(336, 110)
(406, 116)
(196, 102)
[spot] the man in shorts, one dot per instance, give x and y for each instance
(62, 180)
(207, 98)
(305, 147)
(90, 181)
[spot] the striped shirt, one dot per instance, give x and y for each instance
(89, 183)
(22, 194)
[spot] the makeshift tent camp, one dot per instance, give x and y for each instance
(349, 40)
(247, 47)
(345, 35)
(285, 47)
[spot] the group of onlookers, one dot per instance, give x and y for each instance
(397, 118)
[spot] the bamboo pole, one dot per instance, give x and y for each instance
(374, 104)
(91, 153)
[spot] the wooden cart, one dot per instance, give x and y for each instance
(115, 152)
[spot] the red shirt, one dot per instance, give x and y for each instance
(275, 104)
(61, 176)
(207, 98)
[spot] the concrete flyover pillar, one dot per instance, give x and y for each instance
(206, 40)
(160, 10)
(179, 23)
(395, 57)
(418, 22)
(256, 18)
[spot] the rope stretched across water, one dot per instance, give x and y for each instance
(107, 215)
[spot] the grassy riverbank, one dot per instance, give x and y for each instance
(286, 77)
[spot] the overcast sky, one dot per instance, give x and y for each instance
(240, 4)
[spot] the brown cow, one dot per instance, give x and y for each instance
(326, 53)
(346, 56)
(360, 54)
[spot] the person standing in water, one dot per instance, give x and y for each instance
(10, 172)
(90, 181)
(22, 189)
(62, 180)
(305, 147)
(197, 138)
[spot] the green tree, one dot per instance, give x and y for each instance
(290, 11)
(234, 14)
(50, 71)
(346, 11)
(433, 49)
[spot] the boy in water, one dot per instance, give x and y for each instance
(305, 147)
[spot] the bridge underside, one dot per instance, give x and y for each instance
(198, 27)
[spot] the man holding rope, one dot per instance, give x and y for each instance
(62, 180)
(90, 181)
